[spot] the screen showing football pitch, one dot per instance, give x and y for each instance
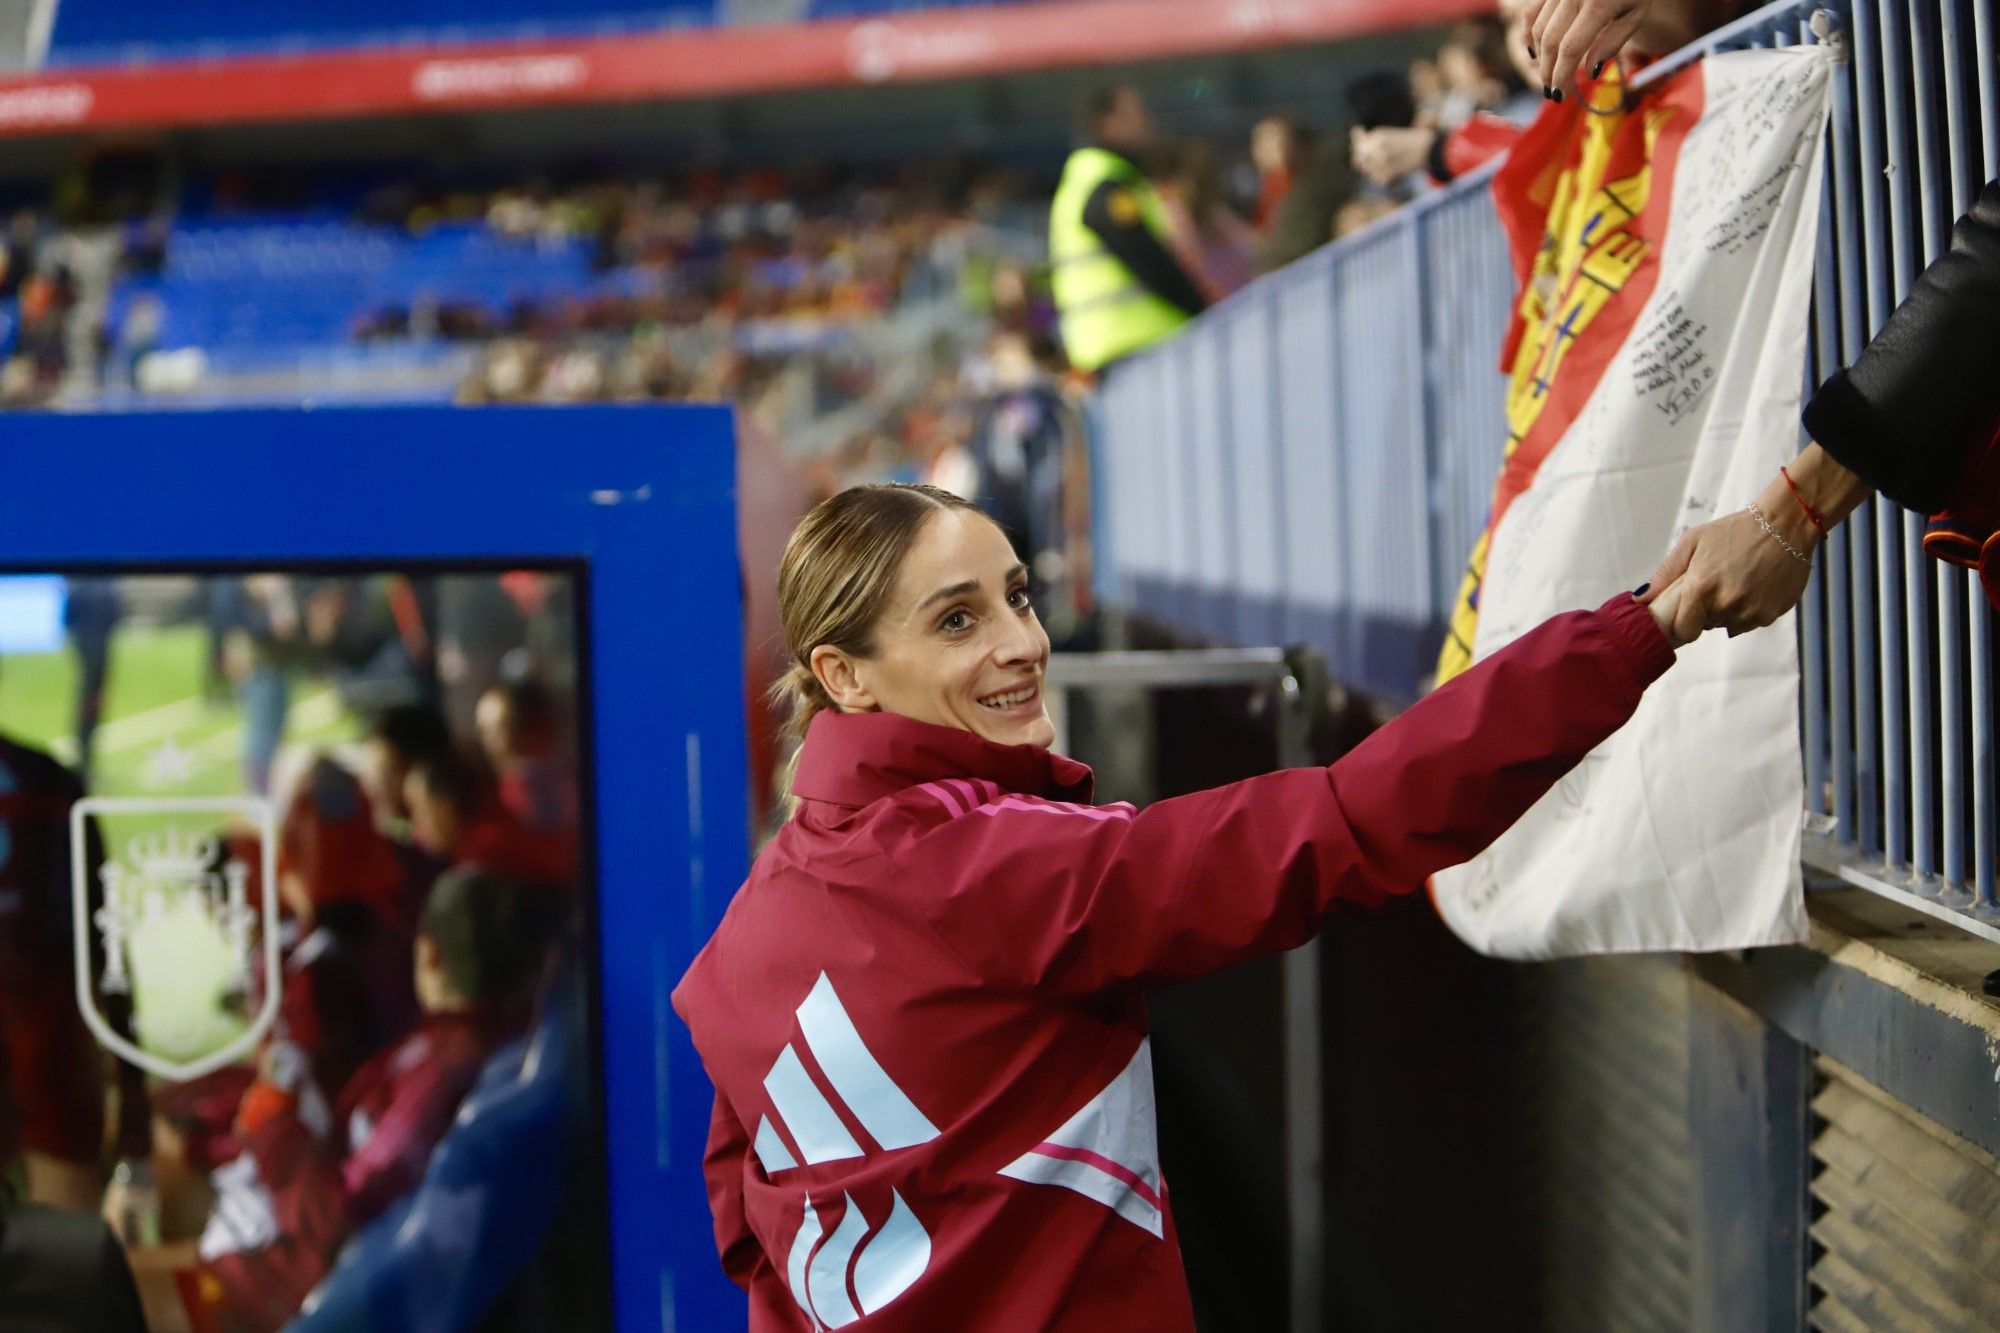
(297, 940)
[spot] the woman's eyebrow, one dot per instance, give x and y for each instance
(968, 586)
(955, 590)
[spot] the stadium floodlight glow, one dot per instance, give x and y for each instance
(153, 875)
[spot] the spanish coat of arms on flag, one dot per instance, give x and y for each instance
(1665, 243)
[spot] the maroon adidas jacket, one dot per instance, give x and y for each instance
(924, 1012)
(313, 1173)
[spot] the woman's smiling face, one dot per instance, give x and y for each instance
(957, 643)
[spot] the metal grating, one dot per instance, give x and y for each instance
(1908, 1228)
(1609, 1118)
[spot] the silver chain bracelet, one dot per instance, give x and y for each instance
(1777, 536)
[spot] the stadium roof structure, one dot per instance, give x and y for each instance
(682, 64)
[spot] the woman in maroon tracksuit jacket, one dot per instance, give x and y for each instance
(924, 1013)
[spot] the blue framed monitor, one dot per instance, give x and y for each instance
(412, 769)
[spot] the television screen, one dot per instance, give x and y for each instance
(296, 914)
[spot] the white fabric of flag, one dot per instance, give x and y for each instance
(1683, 831)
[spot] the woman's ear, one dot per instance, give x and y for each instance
(840, 676)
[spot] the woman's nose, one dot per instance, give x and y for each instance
(1020, 642)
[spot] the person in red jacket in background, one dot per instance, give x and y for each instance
(523, 735)
(924, 1013)
(318, 1165)
(52, 1073)
(345, 982)
(456, 815)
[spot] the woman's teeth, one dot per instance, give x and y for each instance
(1019, 696)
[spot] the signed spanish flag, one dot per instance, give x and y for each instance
(1664, 243)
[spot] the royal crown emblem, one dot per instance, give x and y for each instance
(167, 873)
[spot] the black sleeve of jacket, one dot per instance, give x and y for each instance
(1139, 250)
(1437, 161)
(1925, 394)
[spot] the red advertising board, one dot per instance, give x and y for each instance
(684, 64)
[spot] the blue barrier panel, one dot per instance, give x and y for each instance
(637, 504)
(1377, 334)
(1465, 251)
(1168, 394)
(1211, 455)
(1306, 418)
(1258, 511)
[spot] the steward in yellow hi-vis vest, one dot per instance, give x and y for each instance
(1117, 285)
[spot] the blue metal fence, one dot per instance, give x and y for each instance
(1313, 460)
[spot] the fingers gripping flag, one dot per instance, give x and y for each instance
(1665, 246)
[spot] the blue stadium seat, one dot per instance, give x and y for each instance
(90, 32)
(215, 291)
(438, 1261)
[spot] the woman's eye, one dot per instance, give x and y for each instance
(1018, 599)
(954, 622)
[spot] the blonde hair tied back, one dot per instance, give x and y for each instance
(839, 568)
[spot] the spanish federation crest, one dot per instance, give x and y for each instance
(174, 872)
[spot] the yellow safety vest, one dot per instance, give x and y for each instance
(1106, 311)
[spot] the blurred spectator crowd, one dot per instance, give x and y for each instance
(880, 324)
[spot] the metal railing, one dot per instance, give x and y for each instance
(1313, 460)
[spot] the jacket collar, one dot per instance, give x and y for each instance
(855, 759)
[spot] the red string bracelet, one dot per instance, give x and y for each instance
(1812, 515)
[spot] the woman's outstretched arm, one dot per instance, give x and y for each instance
(1075, 900)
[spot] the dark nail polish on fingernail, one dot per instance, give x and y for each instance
(1559, 94)
(1598, 71)
(1642, 590)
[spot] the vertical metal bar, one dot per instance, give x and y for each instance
(1305, 1156)
(1934, 183)
(1875, 52)
(1840, 679)
(1426, 417)
(1820, 705)
(1930, 651)
(1987, 40)
(1984, 816)
(1906, 691)
(1305, 1116)
(1343, 535)
(1956, 814)
(1274, 385)
(1960, 128)
(1981, 654)
(1962, 133)
(1852, 93)
(1228, 624)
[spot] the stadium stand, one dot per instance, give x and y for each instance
(1308, 463)
(699, 286)
(100, 32)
